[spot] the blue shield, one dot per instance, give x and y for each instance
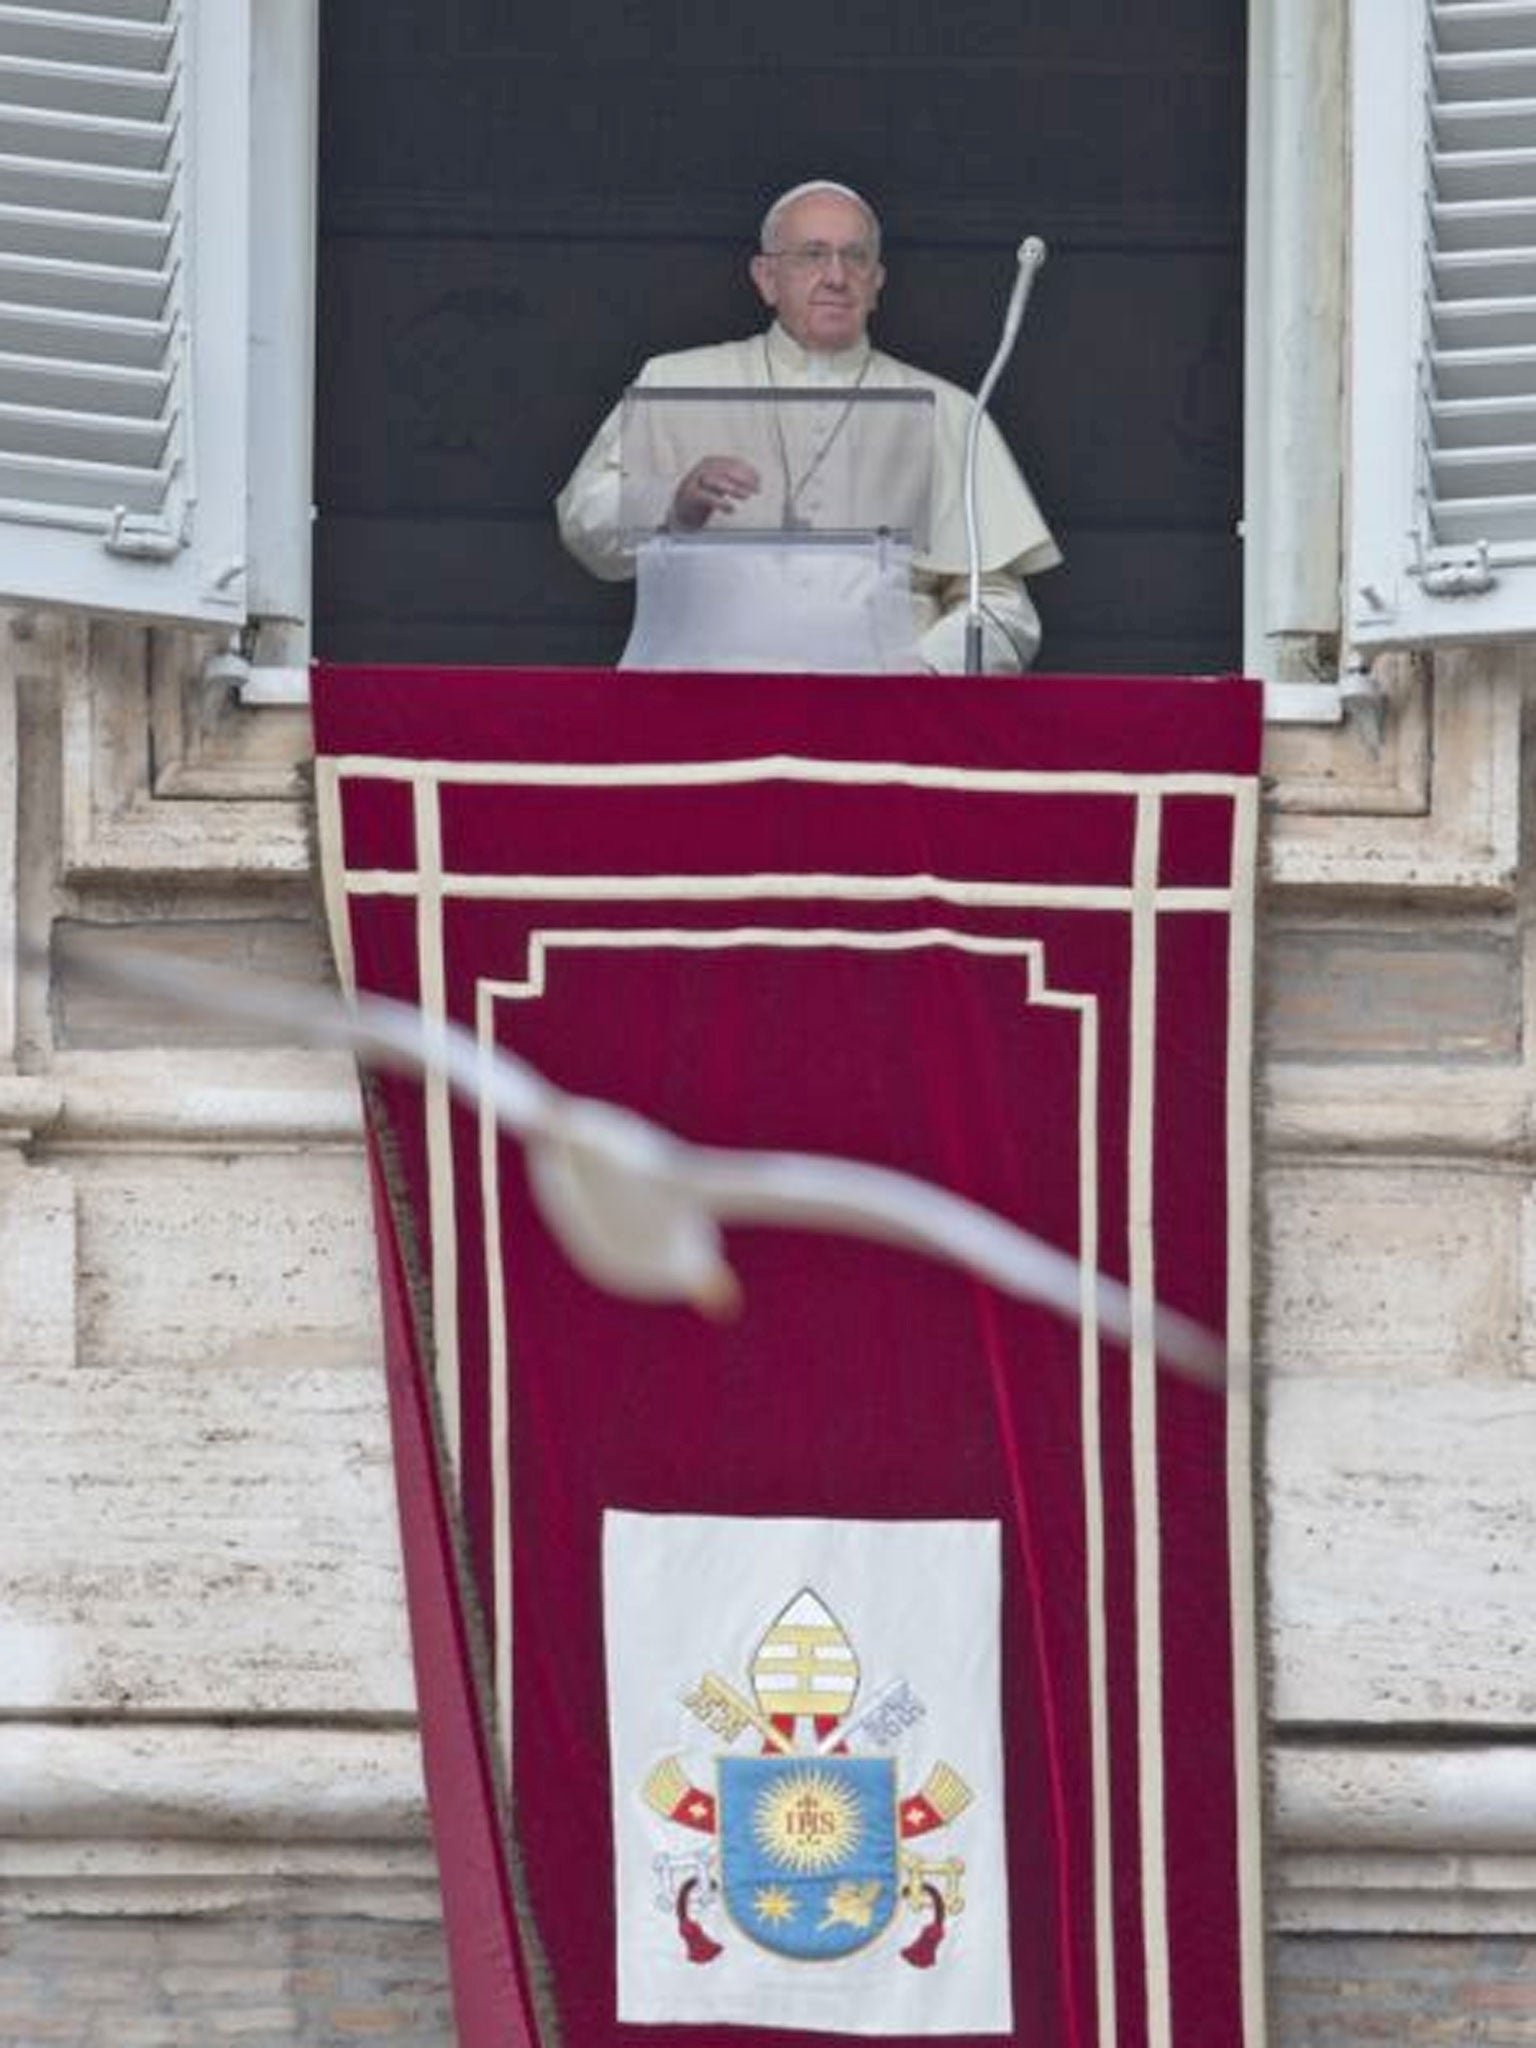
(808, 1851)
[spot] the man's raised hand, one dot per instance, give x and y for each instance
(717, 484)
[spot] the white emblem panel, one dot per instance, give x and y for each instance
(806, 1760)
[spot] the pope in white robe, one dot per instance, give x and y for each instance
(819, 272)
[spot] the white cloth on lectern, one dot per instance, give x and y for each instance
(1015, 541)
(840, 606)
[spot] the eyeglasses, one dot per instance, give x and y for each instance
(857, 258)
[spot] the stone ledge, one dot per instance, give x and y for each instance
(202, 1880)
(1410, 1840)
(1360, 1109)
(192, 1819)
(194, 1781)
(244, 1098)
(28, 1104)
(295, 1096)
(201, 1820)
(1459, 1799)
(1404, 1894)
(1437, 817)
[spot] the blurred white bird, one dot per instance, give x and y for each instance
(639, 1211)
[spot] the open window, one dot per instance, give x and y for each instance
(1443, 338)
(1391, 376)
(155, 296)
(156, 318)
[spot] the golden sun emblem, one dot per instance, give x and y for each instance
(807, 1821)
(773, 1904)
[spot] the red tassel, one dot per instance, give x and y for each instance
(700, 1947)
(924, 1952)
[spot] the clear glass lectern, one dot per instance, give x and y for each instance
(811, 570)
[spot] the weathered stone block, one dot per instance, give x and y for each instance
(1401, 1558)
(217, 1540)
(92, 1009)
(1429, 991)
(37, 1266)
(186, 1253)
(1380, 1268)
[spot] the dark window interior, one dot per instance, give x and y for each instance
(518, 204)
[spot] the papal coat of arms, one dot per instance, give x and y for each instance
(812, 1844)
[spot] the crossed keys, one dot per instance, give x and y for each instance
(944, 1878)
(723, 1711)
(673, 1872)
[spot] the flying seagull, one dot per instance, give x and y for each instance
(640, 1211)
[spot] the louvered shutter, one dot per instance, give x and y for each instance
(1443, 343)
(124, 245)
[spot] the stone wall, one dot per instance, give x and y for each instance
(1396, 1340)
(212, 1812)
(211, 1818)
(171, 1982)
(1361, 1992)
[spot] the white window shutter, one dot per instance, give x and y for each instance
(1443, 322)
(124, 303)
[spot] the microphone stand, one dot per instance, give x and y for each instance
(1031, 256)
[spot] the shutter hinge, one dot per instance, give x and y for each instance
(146, 539)
(1453, 572)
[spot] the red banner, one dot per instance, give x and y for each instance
(995, 934)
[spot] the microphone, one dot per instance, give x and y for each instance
(1031, 256)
